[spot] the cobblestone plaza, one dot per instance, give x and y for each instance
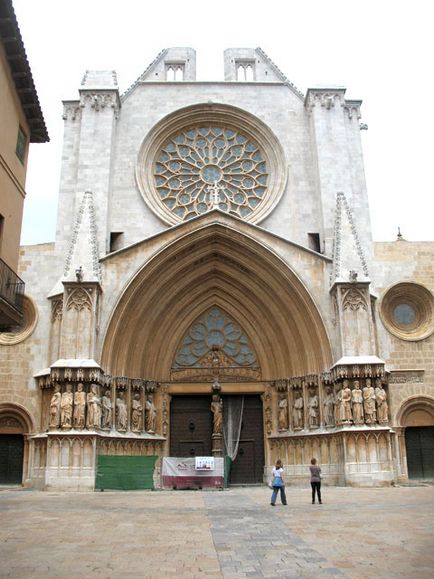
(356, 534)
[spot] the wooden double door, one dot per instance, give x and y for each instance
(419, 442)
(11, 458)
(191, 434)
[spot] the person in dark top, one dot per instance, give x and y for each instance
(315, 480)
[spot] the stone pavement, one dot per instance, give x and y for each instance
(356, 534)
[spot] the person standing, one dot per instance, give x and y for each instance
(315, 480)
(278, 483)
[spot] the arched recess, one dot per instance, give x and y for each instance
(416, 415)
(15, 424)
(215, 265)
(416, 411)
(15, 419)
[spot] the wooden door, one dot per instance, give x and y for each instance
(248, 466)
(419, 442)
(190, 426)
(11, 458)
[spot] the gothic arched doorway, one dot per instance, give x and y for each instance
(270, 325)
(416, 415)
(14, 425)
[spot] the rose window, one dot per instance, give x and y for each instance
(214, 330)
(210, 166)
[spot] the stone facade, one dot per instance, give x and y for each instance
(272, 286)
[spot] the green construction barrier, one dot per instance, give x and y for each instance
(228, 466)
(125, 473)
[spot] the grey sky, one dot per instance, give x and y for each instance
(381, 51)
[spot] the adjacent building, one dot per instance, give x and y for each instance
(21, 123)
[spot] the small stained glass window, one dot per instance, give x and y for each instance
(21, 145)
(404, 314)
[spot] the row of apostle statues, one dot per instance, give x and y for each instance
(80, 409)
(344, 404)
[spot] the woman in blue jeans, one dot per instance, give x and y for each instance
(278, 483)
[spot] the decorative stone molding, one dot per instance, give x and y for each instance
(9, 422)
(268, 413)
(406, 376)
(56, 310)
(71, 111)
(353, 299)
(79, 299)
(86, 206)
(352, 108)
(98, 101)
(343, 208)
(326, 98)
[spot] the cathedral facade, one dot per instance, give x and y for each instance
(214, 290)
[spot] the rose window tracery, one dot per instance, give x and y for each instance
(210, 166)
(214, 330)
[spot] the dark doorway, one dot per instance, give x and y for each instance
(11, 458)
(419, 442)
(248, 466)
(190, 426)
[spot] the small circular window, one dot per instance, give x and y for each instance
(20, 333)
(407, 310)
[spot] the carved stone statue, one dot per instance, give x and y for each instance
(66, 405)
(283, 413)
(297, 411)
(381, 399)
(106, 409)
(121, 412)
(93, 408)
(79, 407)
(357, 401)
(55, 408)
(346, 413)
(216, 409)
(338, 404)
(313, 408)
(369, 403)
(136, 413)
(151, 414)
(329, 407)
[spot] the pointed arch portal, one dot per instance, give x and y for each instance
(215, 265)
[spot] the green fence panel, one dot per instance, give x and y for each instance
(125, 473)
(228, 466)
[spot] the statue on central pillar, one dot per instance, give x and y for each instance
(216, 409)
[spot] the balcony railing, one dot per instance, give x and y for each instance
(11, 288)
